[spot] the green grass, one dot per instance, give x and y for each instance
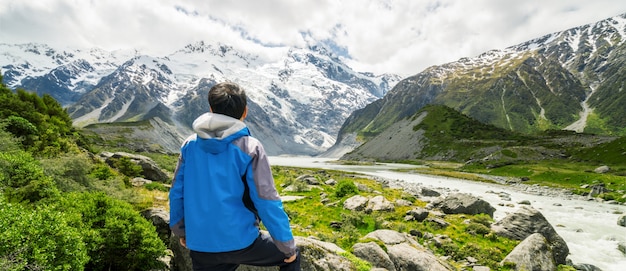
(310, 217)
(556, 173)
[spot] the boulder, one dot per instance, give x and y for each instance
(418, 214)
(597, 189)
(461, 203)
(532, 254)
(403, 202)
(586, 267)
(406, 253)
(160, 218)
(138, 181)
(407, 257)
(309, 179)
(427, 192)
(526, 221)
(316, 256)
(151, 170)
(379, 203)
(355, 203)
(374, 254)
(621, 221)
(602, 169)
(391, 237)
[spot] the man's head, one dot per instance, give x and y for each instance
(228, 99)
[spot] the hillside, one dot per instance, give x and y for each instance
(569, 80)
(438, 132)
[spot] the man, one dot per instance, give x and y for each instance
(222, 187)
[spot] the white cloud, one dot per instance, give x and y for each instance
(402, 36)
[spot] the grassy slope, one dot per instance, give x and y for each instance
(553, 158)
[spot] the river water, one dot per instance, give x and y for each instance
(588, 227)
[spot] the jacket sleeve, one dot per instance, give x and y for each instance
(267, 202)
(177, 208)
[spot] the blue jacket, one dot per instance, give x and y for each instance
(206, 205)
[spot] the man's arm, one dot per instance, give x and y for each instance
(177, 209)
(268, 203)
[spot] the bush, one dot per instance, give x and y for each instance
(345, 188)
(475, 228)
(125, 166)
(102, 172)
(22, 178)
(70, 172)
(39, 239)
(156, 186)
(117, 236)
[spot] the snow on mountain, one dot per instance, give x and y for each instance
(35, 60)
(300, 96)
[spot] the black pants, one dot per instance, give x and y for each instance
(263, 252)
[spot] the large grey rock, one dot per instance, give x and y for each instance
(602, 169)
(391, 237)
(524, 222)
(461, 203)
(316, 256)
(150, 170)
(532, 254)
(379, 203)
(586, 267)
(418, 214)
(406, 253)
(160, 218)
(355, 203)
(621, 221)
(410, 258)
(374, 254)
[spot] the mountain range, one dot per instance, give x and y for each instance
(572, 80)
(298, 97)
(306, 101)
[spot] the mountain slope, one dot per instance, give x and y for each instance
(567, 80)
(438, 132)
(298, 97)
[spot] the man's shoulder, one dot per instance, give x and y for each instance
(248, 144)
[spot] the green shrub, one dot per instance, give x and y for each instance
(39, 239)
(156, 186)
(346, 187)
(70, 172)
(475, 228)
(22, 178)
(125, 166)
(8, 142)
(117, 236)
(102, 172)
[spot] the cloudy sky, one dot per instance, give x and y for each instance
(401, 36)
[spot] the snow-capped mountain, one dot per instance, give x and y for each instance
(572, 80)
(299, 97)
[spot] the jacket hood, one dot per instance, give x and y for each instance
(216, 131)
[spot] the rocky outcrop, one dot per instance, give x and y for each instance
(316, 256)
(622, 221)
(361, 203)
(532, 254)
(160, 218)
(374, 254)
(406, 253)
(527, 221)
(379, 203)
(460, 203)
(150, 170)
(355, 203)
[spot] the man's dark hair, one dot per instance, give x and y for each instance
(228, 99)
